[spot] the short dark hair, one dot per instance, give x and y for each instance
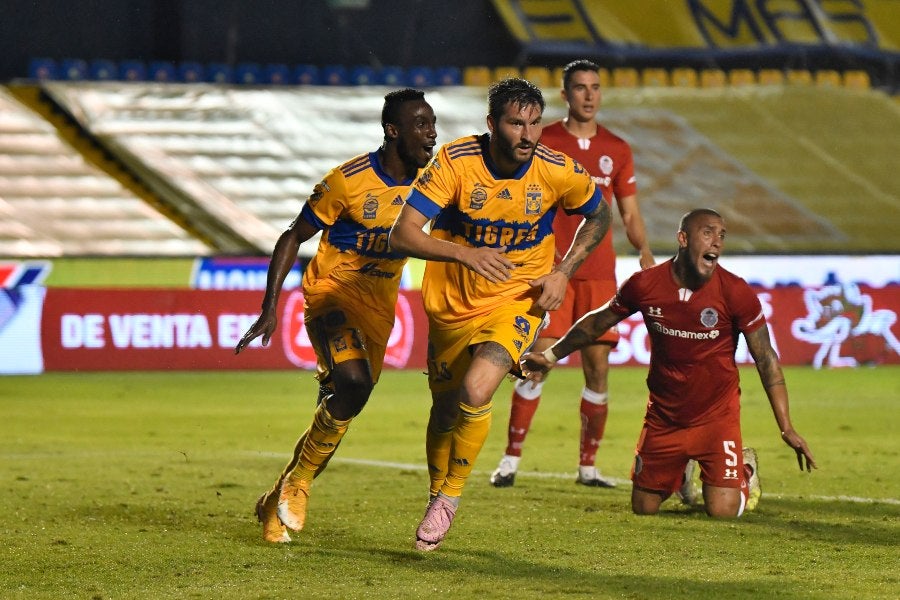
(575, 66)
(390, 112)
(689, 216)
(513, 90)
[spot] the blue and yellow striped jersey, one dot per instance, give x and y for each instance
(471, 204)
(355, 206)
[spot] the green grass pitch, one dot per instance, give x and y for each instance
(142, 485)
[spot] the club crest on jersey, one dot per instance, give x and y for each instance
(523, 327)
(318, 192)
(709, 317)
(533, 200)
(606, 164)
(478, 197)
(428, 173)
(370, 206)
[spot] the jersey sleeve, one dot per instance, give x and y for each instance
(327, 202)
(436, 186)
(625, 302)
(748, 311)
(579, 193)
(625, 184)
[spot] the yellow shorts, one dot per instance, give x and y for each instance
(343, 328)
(449, 350)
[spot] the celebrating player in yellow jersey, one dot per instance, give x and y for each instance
(349, 289)
(490, 277)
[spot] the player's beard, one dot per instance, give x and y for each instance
(508, 150)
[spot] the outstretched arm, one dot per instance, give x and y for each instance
(283, 257)
(408, 237)
(588, 237)
(585, 331)
(772, 379)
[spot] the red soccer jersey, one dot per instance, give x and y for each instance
(693, 376)
(608, 159)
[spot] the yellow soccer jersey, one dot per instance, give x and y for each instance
(355, 206)
(471, 205)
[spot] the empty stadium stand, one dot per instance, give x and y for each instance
(54, 202)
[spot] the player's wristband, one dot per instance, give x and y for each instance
(549, 356)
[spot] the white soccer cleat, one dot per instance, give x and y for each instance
(505, 473)
(591, 477)
(691, 490)
(754, 492)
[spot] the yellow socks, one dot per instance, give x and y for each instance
(319, 443)
(437, 453)
(469, 435)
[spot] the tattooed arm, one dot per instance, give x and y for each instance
(591, 231)
(772, 379)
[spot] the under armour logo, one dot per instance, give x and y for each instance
(731, 474)
(654, 311)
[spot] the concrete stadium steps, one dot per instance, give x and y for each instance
(56, 201)
(795, 169)
(241, 161)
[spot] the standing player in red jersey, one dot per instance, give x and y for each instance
(608, 159)
(694, 311)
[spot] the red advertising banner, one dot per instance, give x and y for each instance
(147, 329)
(836, 325)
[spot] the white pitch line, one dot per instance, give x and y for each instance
(542, 475)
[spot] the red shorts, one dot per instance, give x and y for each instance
(663, 451)
(582, 296)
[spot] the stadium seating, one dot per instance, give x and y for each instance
(361, 75)
(248, 73)
(43, 69)
(392, 76)
(712, 78)
(162, 71)
(625, 77)
(334, 75)
(540, 76)
(103, 70)
(73, 69)
(799, 77)
(684, 77)
(653, 77)
(419, 77)
(741, 77)
(447, 76)
(276, 74)
(770, 77)
(827, 78)
(858, 80)
(306, 75)
(477, 76)
(503, 72)
(219, 73)
(191, 72)
(132, 70)
(57, 203)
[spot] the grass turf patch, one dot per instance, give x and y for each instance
(142, 485)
